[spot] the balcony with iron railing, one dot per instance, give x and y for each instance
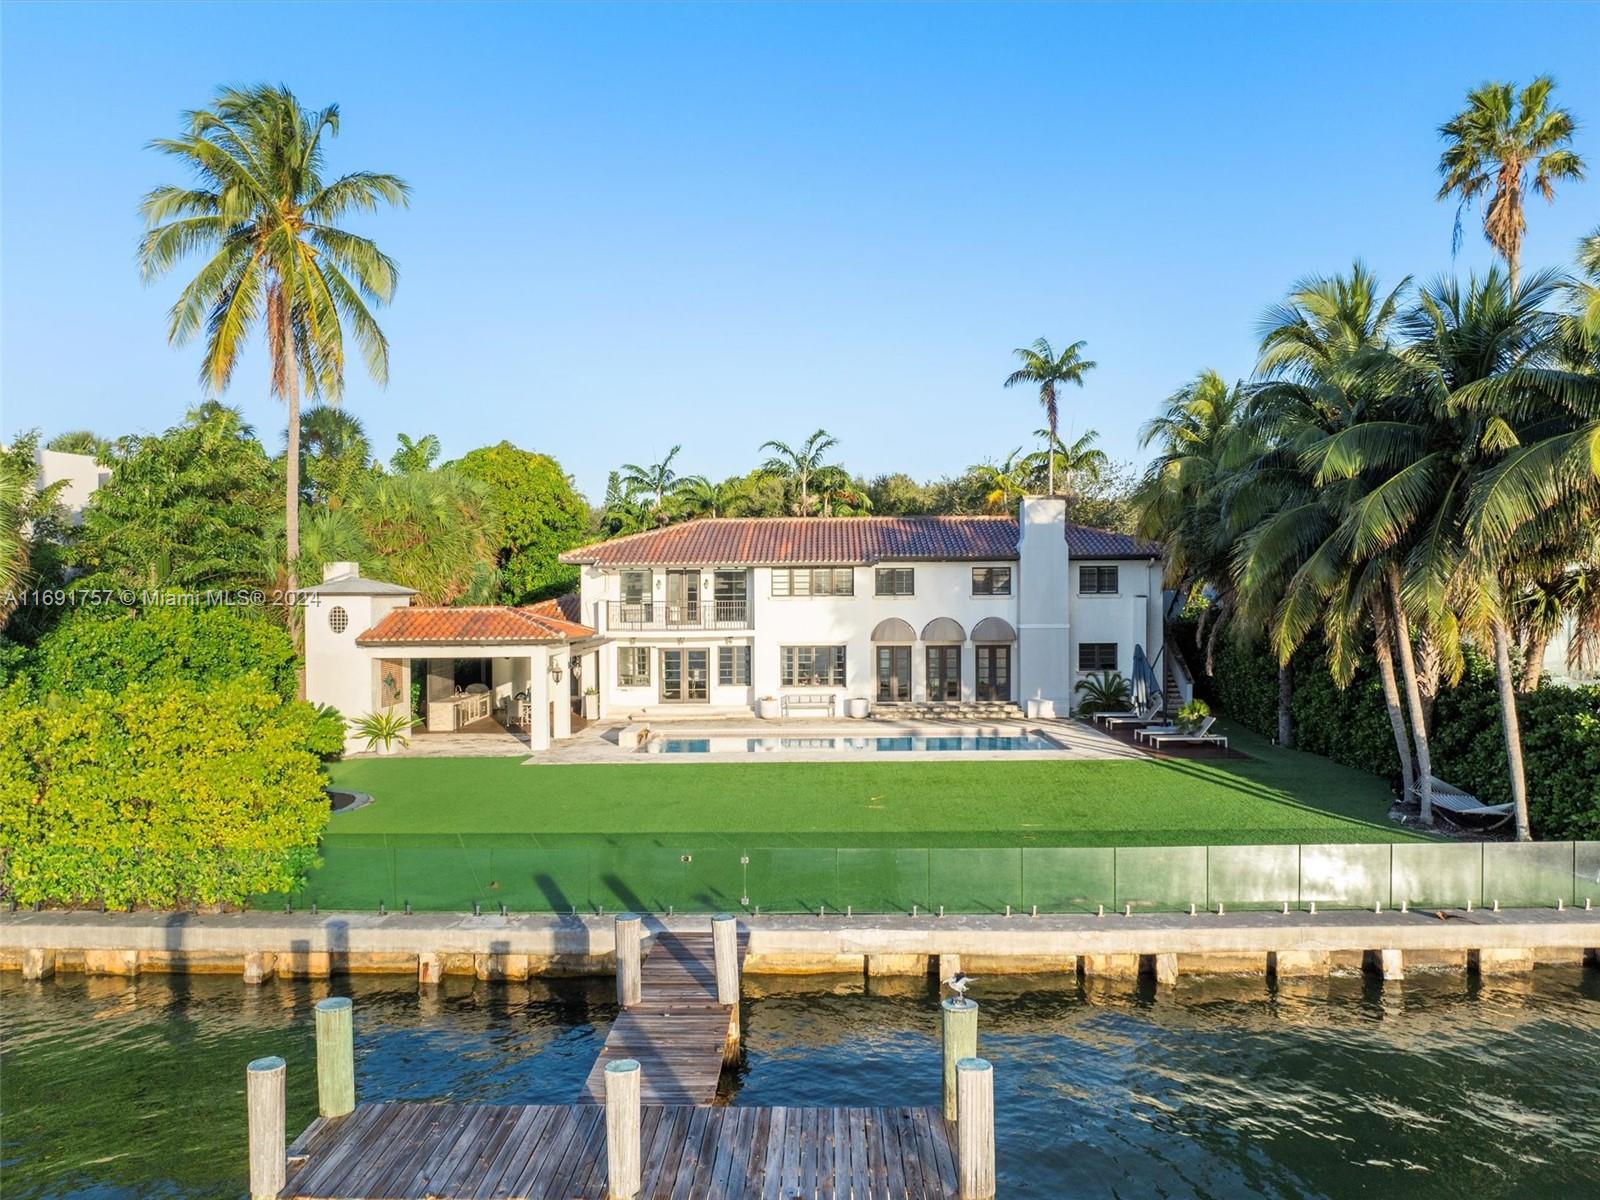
(626, 616)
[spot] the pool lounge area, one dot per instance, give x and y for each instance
(906, 743)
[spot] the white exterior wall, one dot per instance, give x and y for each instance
(1130, 618)
(82, 475)
(339, 672)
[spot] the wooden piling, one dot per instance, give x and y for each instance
(725, 954)
(623, 1130)
(336, 1064)
(975, 1129)
(264, 1096)
(959, 1017)
(628, 930)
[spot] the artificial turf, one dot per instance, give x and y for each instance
(1272, 796)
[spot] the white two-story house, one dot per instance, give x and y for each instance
(721, 613)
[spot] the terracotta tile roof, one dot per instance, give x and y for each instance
(471, 625)
(761, 541)
(563, 608)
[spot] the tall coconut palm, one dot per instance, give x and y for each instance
(658, 480)
(1493, 145)
(797, 464)
(1316, 389)
(265, 218)
(1041, 365)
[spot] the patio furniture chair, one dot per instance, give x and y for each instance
(1456, 804)
(1098, 717)
(1150, 715)
(1202, 736)
(1146, 731)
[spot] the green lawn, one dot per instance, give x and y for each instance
(1274, 796)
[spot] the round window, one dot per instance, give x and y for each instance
(338, 619)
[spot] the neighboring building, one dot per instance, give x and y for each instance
(723, 612)
(82, 474)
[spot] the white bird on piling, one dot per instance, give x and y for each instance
(958, 982)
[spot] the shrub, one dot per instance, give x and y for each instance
(540, 517)
(1107, 692)
(109, 650)
(164, 795)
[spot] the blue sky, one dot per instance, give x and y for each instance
(637, 226)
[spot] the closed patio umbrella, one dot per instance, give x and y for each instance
(1146, 687)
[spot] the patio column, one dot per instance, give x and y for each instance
(539, 700)
(561, 692)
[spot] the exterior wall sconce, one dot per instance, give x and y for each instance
(555, 669)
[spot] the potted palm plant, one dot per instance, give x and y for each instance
(384, 728)
(1191, 715)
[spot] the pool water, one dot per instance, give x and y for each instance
(1445, 1086)
(908, 743)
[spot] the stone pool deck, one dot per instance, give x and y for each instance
(1165, 945)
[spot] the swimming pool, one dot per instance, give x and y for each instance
(885, 744)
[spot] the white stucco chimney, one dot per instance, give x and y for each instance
(340, 570)
(1044, 669)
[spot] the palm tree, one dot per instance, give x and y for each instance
(1586, 292)
(334, 453)
(84, 441)
(1043, 366)
(655, 479)
(1005, 482)
(413, 456)
(1491, 146)
(703, 497)
(797, 464)
(30, 520)
(840, 495)
(1081, 460)
(1316, 390)
(261, 211)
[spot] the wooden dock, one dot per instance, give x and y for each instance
(558, 1152)
(684, 1145)
(678, 1033)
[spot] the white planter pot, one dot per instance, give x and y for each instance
(858, 707)
(1041, 710)
(591, 708)
(769, 710)
(385, 747)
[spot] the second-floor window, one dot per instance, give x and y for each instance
(1097, 581)
(813, 581)
(812, 666)
(633, 666)
(991, 581)
(635, 587)
(894, 581)
(729, 592)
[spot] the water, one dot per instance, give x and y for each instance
(912, 744)
(1443, 1087)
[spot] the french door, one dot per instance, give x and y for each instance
(683, 597)
(894, 674)
(944, 673)
(685, 676)
(994, 673)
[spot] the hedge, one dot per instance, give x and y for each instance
(110, 649)
(1560, 731)
(164, 795)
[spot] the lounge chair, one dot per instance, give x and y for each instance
(1202, 736)
(1098, 717)
(1456, 804)
(1150, 715)
(1150, 730)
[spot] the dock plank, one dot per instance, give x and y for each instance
(690, 1152)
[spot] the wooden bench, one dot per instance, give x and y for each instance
(825, 700)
